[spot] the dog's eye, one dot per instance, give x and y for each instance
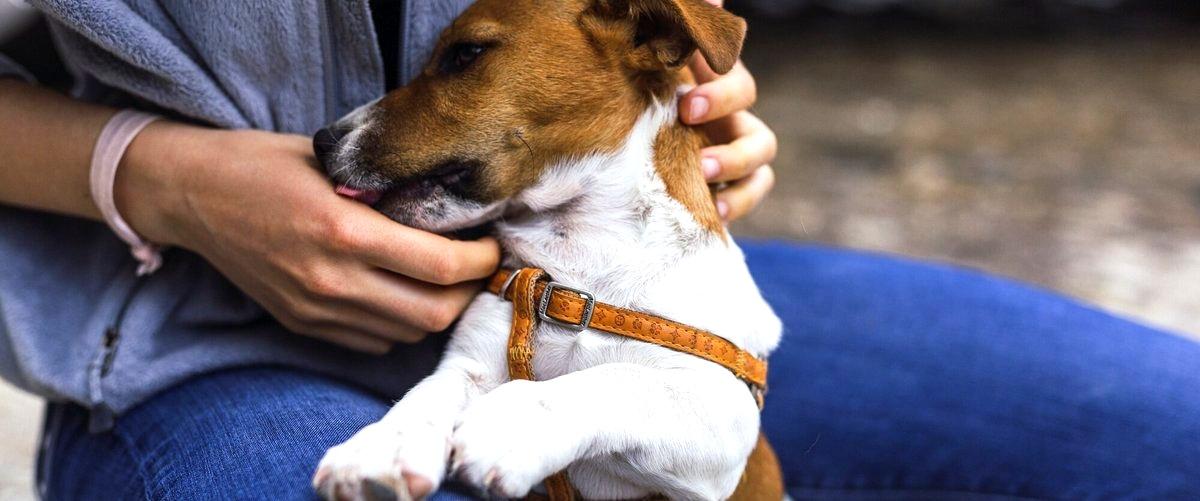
(460, 57)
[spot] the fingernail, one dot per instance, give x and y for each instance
(723, 209)
(711, 167)
(699, 109)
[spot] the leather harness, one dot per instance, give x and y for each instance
(535, 298)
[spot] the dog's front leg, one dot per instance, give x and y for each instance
(684, 431)
(403, 456)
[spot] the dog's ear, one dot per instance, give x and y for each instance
(665, 33)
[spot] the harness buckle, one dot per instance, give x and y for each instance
(589, 307)
(512, 277)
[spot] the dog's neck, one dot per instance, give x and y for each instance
(611, 221)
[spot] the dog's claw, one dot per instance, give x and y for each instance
(375, 490)
(342, 492)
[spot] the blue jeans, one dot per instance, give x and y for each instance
(895, 380)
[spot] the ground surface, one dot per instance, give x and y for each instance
(1067, 158)
(1070, 160)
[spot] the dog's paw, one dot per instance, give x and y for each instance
(381, 463)
(508, 441)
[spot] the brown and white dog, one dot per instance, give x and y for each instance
(556, 119)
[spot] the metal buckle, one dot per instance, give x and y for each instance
(512, 277)
(589, 306)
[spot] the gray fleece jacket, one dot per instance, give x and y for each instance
(75, 323)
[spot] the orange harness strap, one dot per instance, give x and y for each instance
(520, 357)
(520, 338)
(578, 310)
(536, 299)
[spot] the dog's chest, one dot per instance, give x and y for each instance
(560, 351)
(606, 224)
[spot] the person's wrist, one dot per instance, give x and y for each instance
(150, 189)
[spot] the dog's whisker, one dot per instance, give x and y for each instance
(339, 169)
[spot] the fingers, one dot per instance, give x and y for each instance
(745, 144)
(380, 282)
(373, 312)
(414, 253)
(753, 146)
(376, 302)
(364, 320)
(343, 324)
(717, 96)
(741, 197)
(700, 68)
(709, 102)
(372, 315)
(425, 307)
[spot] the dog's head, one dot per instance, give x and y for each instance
(513, 86)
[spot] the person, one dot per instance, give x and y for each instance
(284, 318)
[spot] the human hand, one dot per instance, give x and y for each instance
(743, 147)
(256, 207)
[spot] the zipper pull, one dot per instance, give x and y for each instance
(110, 350)
(101, 418)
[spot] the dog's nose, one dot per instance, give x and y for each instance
(325, 143)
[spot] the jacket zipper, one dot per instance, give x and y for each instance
(101, 416)
(112, 334)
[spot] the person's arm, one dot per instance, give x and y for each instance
(254, 205)
(46, 145)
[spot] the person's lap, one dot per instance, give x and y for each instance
(895, 379)
(240, 434)
(899, 378)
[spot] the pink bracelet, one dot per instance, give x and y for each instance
(110, 148)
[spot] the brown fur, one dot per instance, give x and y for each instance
(542, 83)
(763, 479)
(677, 163)
(567, 82)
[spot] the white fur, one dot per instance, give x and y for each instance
(348, 170)
(627, 418)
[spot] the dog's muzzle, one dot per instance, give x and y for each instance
(326, 142)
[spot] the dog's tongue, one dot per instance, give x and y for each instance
(368, 197)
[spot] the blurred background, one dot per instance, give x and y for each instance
(1053, 141)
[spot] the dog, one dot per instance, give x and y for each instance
(556, 122)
